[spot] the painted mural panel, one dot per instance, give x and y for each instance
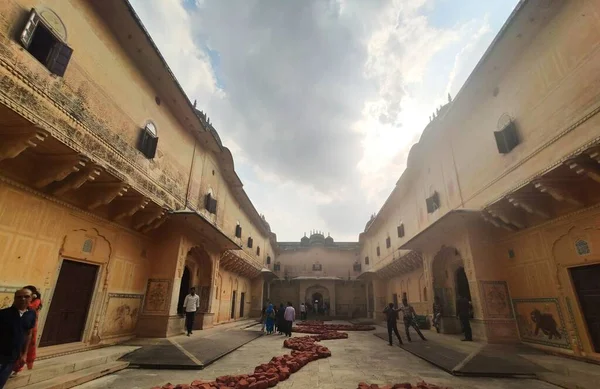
(157, 296)
(121, 314)
(496, 300)
(540, 320)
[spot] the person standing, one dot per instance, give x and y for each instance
(463, 311)
(409, 319)
(279, 320)
(191, 305)
(289, 316)
(391, 314)
(270, 312)
(16, 323)
(302, 311)
(35, 305)
(437, 313)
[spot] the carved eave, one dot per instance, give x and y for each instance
(75, 180)
(144, 220)
(127, 206)
(235, 263)
(402, 265)
(13, 143)
(569, 186)
(56, 168)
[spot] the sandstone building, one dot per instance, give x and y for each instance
(499, 201)
(116, 194)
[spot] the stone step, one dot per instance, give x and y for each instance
(60, 366)
(79, 377)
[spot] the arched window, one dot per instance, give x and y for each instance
(148, 140)
(425, 294)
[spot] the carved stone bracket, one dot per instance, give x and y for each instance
(401, 265)
(488, 217)
(230, 261)
(529, 204)
(585, 166)
(102, 193)
(147, 217)
(128, 206)
(557, 192)
(75, 180)
(155, 223)
(13, 144)
(508, 216)
(53, 168)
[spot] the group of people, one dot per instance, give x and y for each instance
(18, 332)
(278, 319)
(408, 316)
(463, 312)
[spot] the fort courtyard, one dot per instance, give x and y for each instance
(146, 261)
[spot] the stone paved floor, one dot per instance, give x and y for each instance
(361, 357)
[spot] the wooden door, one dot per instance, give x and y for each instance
(70, 303)
(233, 298)
(242, 302)
(587, 287)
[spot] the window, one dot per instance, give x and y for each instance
(317, 267)
(250, 242)
(388, 242)
(433, 202)
(257, 250)
(268, 260)
(148, 140)
(507, 138)
(210, 204)
(583, 248)
(277, 266)
(401, 230)
(357, 266)
(366, 260)
(378, 251)
(37, 38)
(238, 231)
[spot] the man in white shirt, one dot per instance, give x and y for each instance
(302, 311)
(289, 316)
(191, 305)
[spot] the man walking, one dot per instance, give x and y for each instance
(191, 305)
(289, 316)
(391, 314)
(302, 311)
(16, 323)
(409, 319)
(463, 311)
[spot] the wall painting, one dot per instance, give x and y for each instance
(122, 313)
(496, 300)
(540, 320)
(157, 296)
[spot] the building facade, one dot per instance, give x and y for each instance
(500, 199)
(116, 194)
(322, 274)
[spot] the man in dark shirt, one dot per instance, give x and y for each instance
(391, 314)
(16, 323)
(463, 311)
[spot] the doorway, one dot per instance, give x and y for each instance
(184, 289)
(70, 304)
(586, 280)
(317, 301)
(233, 298)
(395, 298)
(242, 302)
(462, 284)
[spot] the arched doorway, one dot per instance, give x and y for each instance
(320, 294)
(184, 289)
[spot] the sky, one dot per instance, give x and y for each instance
(319, 101)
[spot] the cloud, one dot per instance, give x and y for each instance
(319, 101)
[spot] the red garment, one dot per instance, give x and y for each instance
(31, 351)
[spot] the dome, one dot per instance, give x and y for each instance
(369, 222)
(304, 241)
(329, 240)
(317, 238)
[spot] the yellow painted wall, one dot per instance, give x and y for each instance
(334, 263)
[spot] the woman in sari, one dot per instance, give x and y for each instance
(35, 305)
(270, 312)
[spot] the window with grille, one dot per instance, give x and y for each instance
(250, 242)
(238, 231)
(148, 140)
(401, 230)
(366, 260)
(433, 202)
(210, 204)
(507, 138)
(268, 260)
(44, 45)
(378, 251)
(388, 242)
